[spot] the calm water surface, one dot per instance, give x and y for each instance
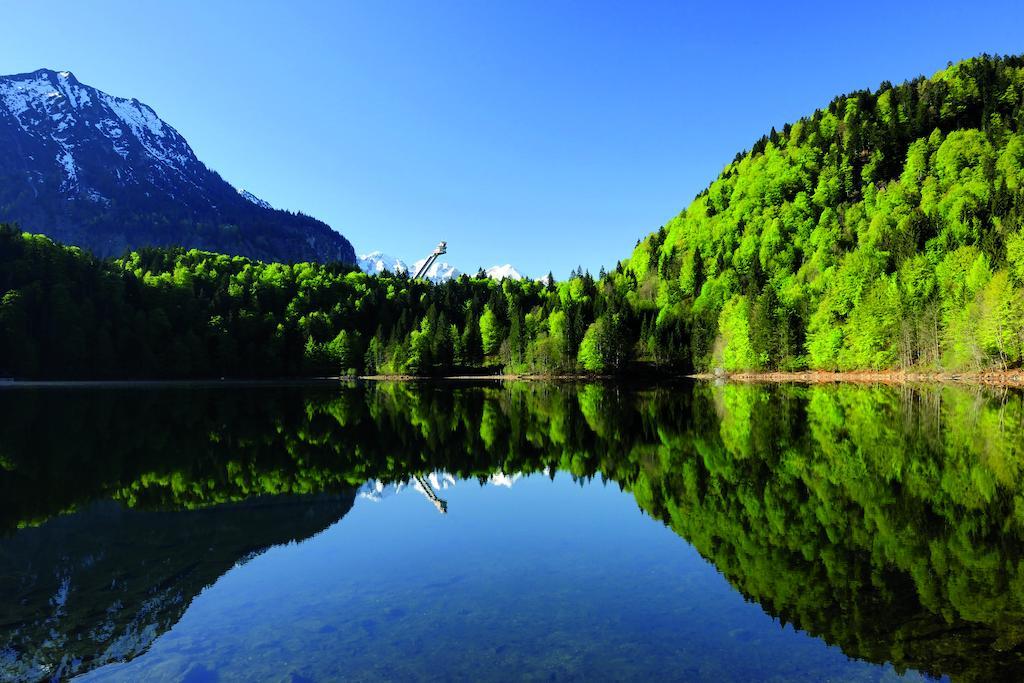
(517, 531)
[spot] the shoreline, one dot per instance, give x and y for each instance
(1007, 378)
(492, 378)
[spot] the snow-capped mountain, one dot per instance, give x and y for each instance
(377, 262)
(106, 173)
(441, 271)
(505, 271)
(376, 490)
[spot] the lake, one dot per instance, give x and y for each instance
(519, 530)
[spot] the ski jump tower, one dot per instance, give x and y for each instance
(441, 248)
(427, 490)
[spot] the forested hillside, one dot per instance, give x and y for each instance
(883, 231)
(176, 313)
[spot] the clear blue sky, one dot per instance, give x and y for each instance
(542, 133)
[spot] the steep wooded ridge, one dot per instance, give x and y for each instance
(880, 232)
(107, 174)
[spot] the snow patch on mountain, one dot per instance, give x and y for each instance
(150, 131)
(67, 161)
(249, 196)
(18, 96)
(32, 99)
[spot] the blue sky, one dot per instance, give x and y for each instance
(545, 134)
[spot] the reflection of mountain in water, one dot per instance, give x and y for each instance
(887, 521)
(99, 586)
(377, 490)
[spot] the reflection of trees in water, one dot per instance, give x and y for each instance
(885, 520)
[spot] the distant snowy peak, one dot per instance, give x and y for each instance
(441, 271)
(505, 480)
(249, 196)
(377, 262)
(505, 271)
(376, 490)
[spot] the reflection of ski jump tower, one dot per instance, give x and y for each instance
(441, 248)
(426, 490)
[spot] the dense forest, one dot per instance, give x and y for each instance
(176, 313)
(881, 232)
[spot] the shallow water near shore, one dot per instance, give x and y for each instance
(439, 531)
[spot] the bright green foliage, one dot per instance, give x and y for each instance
(734, 326)
(862, 236)
(590, 355)
(490, 331)
(558, 334)
(344, 351)
(603, 348)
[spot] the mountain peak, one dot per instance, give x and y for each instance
(53, 75)
(377, 262)
(439, 271)
(108, 174)
(504, 271)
